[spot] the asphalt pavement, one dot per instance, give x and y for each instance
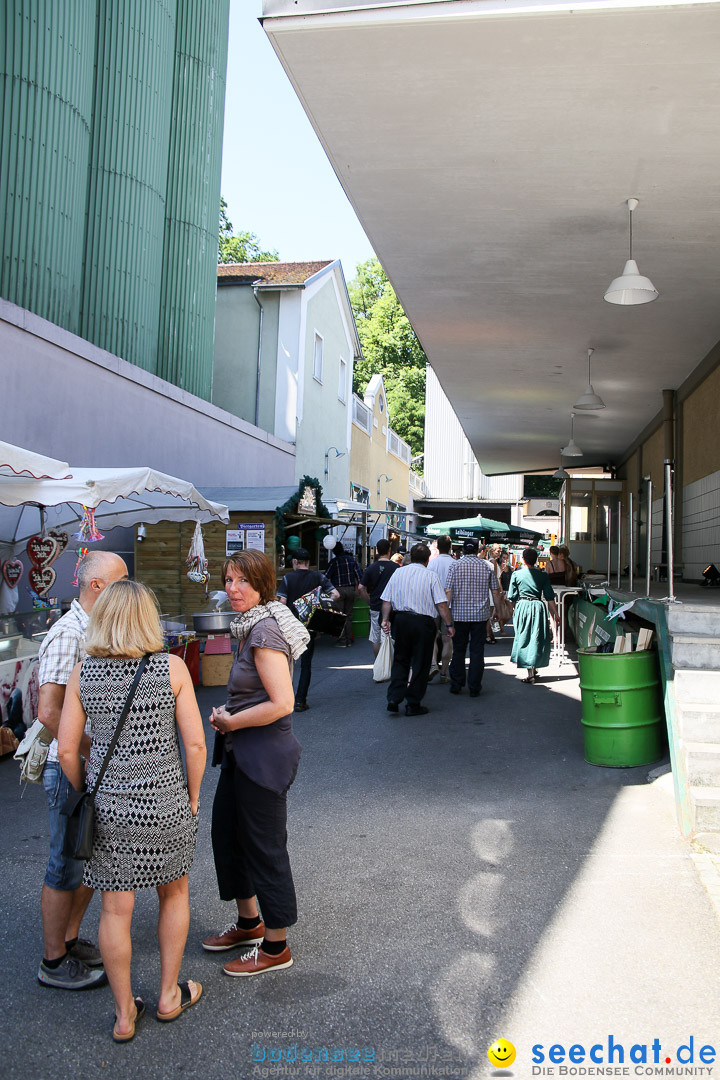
(462, 877)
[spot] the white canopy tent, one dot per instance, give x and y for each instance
(119, 497)
(16, 461)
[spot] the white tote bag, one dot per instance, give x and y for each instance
(384, 660)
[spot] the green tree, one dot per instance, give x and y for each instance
(391, 349)
(242, 247)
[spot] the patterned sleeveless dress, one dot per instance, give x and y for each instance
(144, 829)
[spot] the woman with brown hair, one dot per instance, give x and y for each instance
(258, 757)
(145, 806)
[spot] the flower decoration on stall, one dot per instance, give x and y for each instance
(196, 560)
(88, 531)
(81, 553)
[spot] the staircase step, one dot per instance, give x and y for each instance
(696, 651)
(694, 688)
(699, 723)
(698, 620)
(706, 803)
(702, 763)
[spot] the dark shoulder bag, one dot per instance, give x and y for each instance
(79, 807)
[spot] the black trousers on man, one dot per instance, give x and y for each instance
(414, 637)
(305, 671)
(472, 633)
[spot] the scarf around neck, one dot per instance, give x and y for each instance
(291, 629)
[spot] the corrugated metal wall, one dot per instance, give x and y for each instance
(187, 310)
(107, 112)
(47, 51)
(128, 177)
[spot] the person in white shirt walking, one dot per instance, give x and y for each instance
(415, 596)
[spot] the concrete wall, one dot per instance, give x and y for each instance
(701, 430)
(65, 397)
(701, 525)
(322, 415)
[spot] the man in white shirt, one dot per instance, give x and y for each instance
(415, 596)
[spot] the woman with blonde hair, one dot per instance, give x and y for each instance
(145, 806)
(258, 756)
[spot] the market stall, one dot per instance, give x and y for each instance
(41, 499)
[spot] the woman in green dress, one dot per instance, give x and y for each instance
(533, 637)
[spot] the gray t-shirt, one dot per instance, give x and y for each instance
(270, 754)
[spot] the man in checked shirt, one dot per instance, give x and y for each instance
(467, 588)
(69, 962)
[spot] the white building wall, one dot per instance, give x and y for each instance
(288, 403)
(451, 469)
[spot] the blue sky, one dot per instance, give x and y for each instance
(276, 179)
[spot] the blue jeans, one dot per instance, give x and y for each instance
(62, 873)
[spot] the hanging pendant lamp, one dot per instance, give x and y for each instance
(631, 287)
(589, 400)
(572, 449)
(561, 474)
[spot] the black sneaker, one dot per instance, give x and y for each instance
(392, 706)
(71, 974)
(87, 953)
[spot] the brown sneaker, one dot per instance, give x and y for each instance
(233, 937)
(256, 961)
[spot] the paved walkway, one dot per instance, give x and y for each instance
(462, 876)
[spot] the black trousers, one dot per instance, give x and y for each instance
(472, 633)
(249, 839)
(305, 670)
(414, 637)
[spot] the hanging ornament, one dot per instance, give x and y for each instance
(81, 553)
(42, 579)
(42, 550)
(88, 530)
(12, 570)
(61, 539)
(196, 560)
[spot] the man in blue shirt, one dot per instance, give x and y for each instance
(345, 574)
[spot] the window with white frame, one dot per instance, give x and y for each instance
(318, 358)
(360, 494)
(361, 415)
(342, 380)
(396, 514)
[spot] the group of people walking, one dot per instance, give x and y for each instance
(456, 597)
(104, 660)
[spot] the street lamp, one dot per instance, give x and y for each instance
(380, 478)
(338, 453)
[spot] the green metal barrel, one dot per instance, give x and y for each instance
(622, 709)
(361, 619)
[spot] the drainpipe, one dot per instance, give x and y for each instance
(669, 440)
(259, 356)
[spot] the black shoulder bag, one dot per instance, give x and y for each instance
(79, 807)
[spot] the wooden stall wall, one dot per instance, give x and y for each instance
(160, 559)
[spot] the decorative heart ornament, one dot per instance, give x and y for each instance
(62, 540)
(42, 550)
(42, 579)
(12, 570)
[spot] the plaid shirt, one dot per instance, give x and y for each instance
(344, 571)
(468, 582)
(61, 649)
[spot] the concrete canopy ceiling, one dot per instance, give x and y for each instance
(488, 150)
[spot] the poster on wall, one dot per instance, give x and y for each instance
(234, 541)
(249, 534)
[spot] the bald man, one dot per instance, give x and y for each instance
(69, 962)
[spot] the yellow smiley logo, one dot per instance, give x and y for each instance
(501, 1053)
